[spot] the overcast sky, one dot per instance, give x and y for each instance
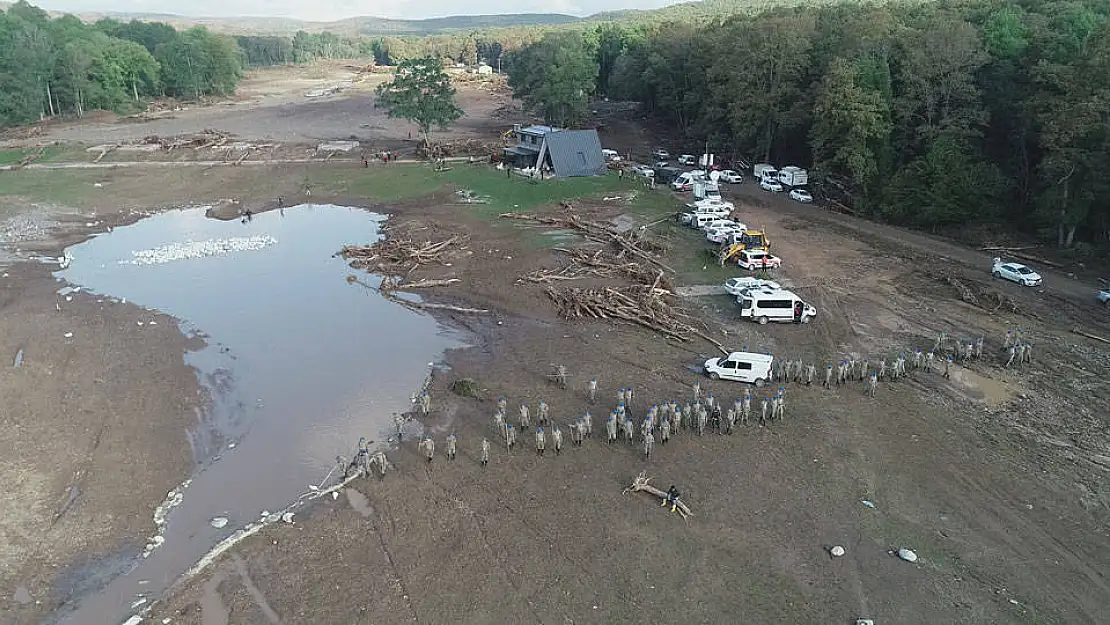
(326, 10)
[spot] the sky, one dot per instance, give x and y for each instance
(327, 10)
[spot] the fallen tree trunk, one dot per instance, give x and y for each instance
(1090, 336)
(641, 484)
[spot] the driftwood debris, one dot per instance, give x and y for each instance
(602, 263)
(393, 255)
(1091, 336)
(390, 285)
(627, 243)
(641, 484)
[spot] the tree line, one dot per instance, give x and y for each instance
(67, 67)
(934, 115)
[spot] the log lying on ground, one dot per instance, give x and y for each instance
(1090, 336)
(629, 242)
(395, 254)
(641, 484)
(388, 292)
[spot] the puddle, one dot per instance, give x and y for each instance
(991, 391)
(299, 363)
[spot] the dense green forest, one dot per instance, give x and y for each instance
(935, 115)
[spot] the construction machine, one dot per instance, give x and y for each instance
(746, 240)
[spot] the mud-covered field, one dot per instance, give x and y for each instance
(994, 476)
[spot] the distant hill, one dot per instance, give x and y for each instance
(349, 26)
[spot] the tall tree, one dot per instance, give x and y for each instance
(422, 93)
(556, 76)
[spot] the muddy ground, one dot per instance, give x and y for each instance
(996, 477)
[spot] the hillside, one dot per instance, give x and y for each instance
(351, 26)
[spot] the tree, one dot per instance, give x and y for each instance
(851, 124)
(556, 76)
(422, 93)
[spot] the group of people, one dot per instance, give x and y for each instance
(702, 412)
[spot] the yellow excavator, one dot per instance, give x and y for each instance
(748, 240)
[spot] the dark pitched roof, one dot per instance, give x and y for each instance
(575, 153)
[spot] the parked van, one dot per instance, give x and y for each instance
(611, 155)
(776, 306)
(703, 221)
(793, 176)
(742, 367)
(759, 168)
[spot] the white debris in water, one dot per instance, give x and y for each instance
(218, 522)
(134, 620)
(173, 499)
(198, 249)
(138, 602)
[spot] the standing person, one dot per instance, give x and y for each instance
(543, 412)
(428, 446)
(588, 425)
(525, 420)
(611, 428)
(485, 452)
(399, 423)
(557, 440)
(665, 431)
(649, 442)
(451, 446)
(540, 442)
(591, 389)
(697, 390)
(510, 436)
(873, 384)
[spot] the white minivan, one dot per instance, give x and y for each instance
(742, 367)
(783, 306)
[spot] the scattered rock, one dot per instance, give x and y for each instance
(836, 551)
(907, 554)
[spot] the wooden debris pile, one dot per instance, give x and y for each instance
(647, 306)
(459, 147)
(396, 255)
(599, 263)
(628, 244)
(208, 138)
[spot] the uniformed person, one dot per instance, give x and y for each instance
(730, 420)
(587, 425)
(557, 440)
(948, 367)
(451, 451)
(379, 460)
(499, 423)
(611, 428)
(872, 384)
(543, 412)
(649, 442)
(697, 390)
(746, 411)
(664, 430)
(426, 403)
(591, 389)
(428, 446)
(485, 452)
(399, 423)
(766, 405)
(561, 376)
(540, 441)
(828, 377)
(525, 418)
(703, 419)
(510, 436)
(811, 372)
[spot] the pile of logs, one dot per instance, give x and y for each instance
(208, 138)
(459, 147)
(647, 306)
(599, 263)
(629, 243)
(395, 255)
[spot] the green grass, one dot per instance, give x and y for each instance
(67, 188)
(393, 183)
(53, 151)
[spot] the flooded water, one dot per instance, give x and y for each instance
(299, 363)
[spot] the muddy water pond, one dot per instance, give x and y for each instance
(299, 364)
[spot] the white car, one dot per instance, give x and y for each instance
(721, 233)
(737, 286)
(661, 155)
(611, 155)
(718, 223)
(801, 195)
(686, 159)
(770, 185)
(742, 367)
(731, 176)
(644, 171)
(712, 203)
(754, 260)
(1015, 272)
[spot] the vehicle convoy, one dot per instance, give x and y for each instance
(782, 306)
(738, 286)
(741, 367)
(1015, 272)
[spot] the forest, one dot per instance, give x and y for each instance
(947, 116)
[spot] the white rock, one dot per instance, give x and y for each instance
(334, 495)
(907, 555)
(68, 335)
(287, 517)
(837, 551)
(138, 602)
(218, 522)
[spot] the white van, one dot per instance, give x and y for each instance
(611, 155)
(775, 306)
(702, 221)
(742, 367)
